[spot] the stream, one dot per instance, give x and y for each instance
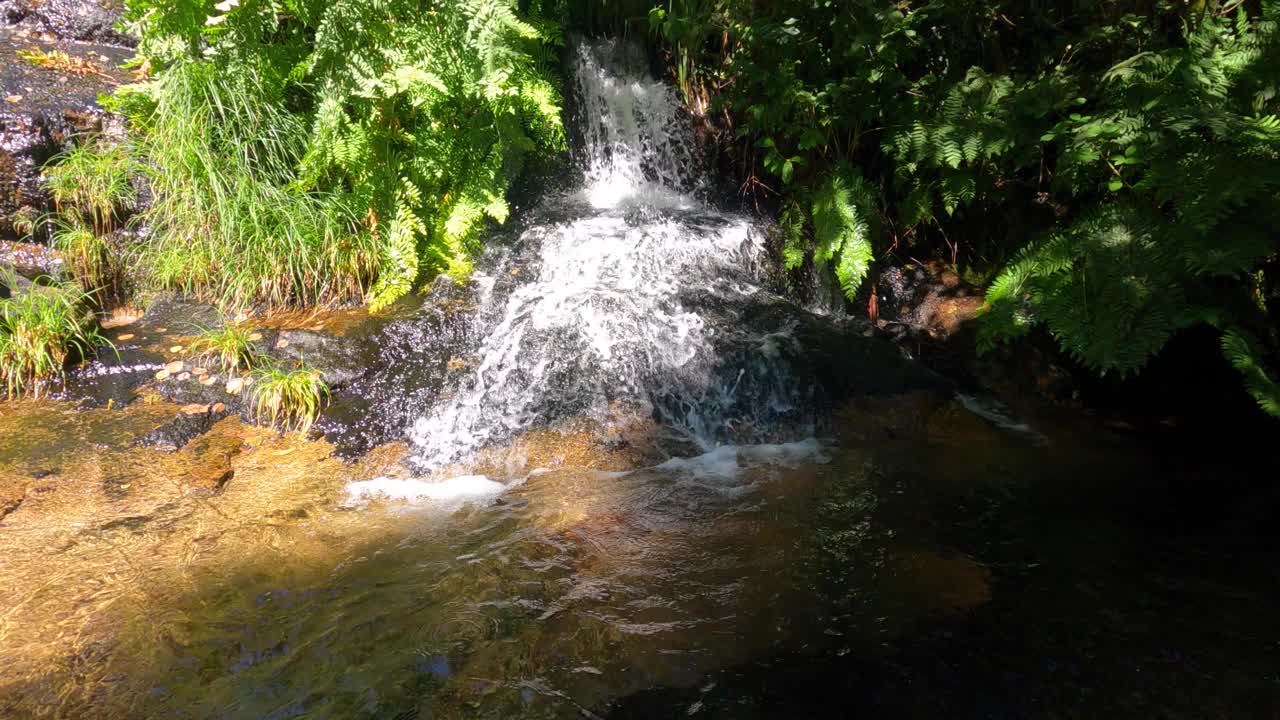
(647, 485)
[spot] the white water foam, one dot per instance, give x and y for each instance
(628, 304)
(728, 461)
(453, 491)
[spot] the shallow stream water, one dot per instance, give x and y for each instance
(924, 563)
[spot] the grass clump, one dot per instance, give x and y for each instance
(288, 398)
(40, 330)
(230, 224)
(230, 346)
(93, 178)
(87, 254)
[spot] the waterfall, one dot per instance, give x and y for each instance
(633, 297)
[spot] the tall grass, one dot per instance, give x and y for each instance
(288, 398)
(40, 330)
(229, 225)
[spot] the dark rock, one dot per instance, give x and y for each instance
(179, 431)
(339, 358)
(87, 20)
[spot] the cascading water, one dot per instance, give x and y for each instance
(630, 297)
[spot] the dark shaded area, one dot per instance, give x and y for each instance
(175, 434)
(1119, 596)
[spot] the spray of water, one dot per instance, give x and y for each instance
(632, 295)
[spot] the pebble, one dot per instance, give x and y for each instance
(126, 337)
(184, 376)
(200, 372)
(282, 343)
(175, 367)
(255, 337)
(219, 407)
(195, 409)
(235, 385)
(175, 349)
(162, 375)
(208, 380)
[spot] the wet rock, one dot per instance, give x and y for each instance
(339, 358)
(13, 490)
(185, 427)
(930, 298)
(41, 109)
(29, 260)
(86, 20)
(951, 581)
(175, 367)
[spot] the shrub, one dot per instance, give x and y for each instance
(1118, 163)
(40, 330)
(231, 346)
(288, 398)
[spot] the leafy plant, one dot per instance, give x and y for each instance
(288, 399)
(230, 346)
(41, 329)
(1121, 160)
(228, 224)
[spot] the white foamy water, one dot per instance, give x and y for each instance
(456, 490)
(632, 301)
(728, 461)
(604, 317)
(637, 139)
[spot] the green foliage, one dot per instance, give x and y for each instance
(228, 222)
(93, 179)
(336, 150)
(230, 346)
(288, 399)
(85, 252)
(1242, 351)
(1130, 150)
(40, 330)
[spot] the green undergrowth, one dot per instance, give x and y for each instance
(42, 328)
(1118, 162)
(308, 152)
(289, 398)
